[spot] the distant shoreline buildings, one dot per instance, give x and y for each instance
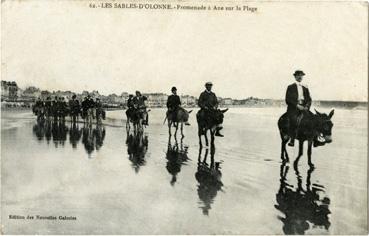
(11, 93)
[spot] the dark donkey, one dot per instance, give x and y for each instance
(182, 116)
(314, 128)
(208, 120)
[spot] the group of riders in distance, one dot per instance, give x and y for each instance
(297, 123)
(57, 109)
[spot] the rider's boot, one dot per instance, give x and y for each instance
(217, 133)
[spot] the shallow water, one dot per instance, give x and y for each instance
(114, 183)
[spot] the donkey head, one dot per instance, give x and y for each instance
(324, 125)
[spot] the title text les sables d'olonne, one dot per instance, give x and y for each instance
(170, 6)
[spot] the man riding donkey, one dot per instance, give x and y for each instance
(74, 108)
(299, 123)
(139, 104)
(298, 102)
(176, 114)
(209, 117)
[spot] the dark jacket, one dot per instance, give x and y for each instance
(130, 103)
(292, 97)
(140, 101)
(173, 102)
(208, 100)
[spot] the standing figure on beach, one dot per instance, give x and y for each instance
(176, 114)
(74, 109)
(298, 101)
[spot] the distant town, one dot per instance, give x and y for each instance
(14, 96)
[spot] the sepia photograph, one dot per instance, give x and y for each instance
(124, 117)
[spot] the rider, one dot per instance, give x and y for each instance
(38, 107)
(54, 108)
(130, 103)
(298, 100)
(208, 103)
(99, 111)
(74, 108)
(62, 109)
(90, 105)
(139, 102)
(48, 107)
(173, 104)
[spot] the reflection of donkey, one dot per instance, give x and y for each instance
(302, 209)
(176, 156)
(209, 120)
(314, 128)
(209, 178)
(180, 116)
(137, 145)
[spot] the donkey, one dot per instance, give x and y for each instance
(314, 128)
(136, 117)
(181, 115)
(208, 120)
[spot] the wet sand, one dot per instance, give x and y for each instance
(114, 183)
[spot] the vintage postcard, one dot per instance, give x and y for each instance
(184, 117)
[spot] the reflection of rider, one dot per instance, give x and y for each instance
(208, 103)
(139, 102)
(298, 100)
(301, 206)
(176, 156)
(209, 179)
(137, 145)
(75, 134)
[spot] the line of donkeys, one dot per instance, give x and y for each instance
(297, 123)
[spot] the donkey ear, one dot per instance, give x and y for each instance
(317, 112)
(331, 113)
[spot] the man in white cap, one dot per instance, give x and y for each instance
(209, 103)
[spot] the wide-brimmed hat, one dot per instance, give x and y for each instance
(208, 84)
(299, 73)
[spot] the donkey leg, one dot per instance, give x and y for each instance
(284, 155)
(301, 149)
(212, 137)
(310, 144)
(169, 128)
(182, 129)
(175, 133)
(199, 134)
(206, 138)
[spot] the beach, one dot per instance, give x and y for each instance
(103, 180)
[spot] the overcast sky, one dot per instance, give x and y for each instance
(66, 45)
